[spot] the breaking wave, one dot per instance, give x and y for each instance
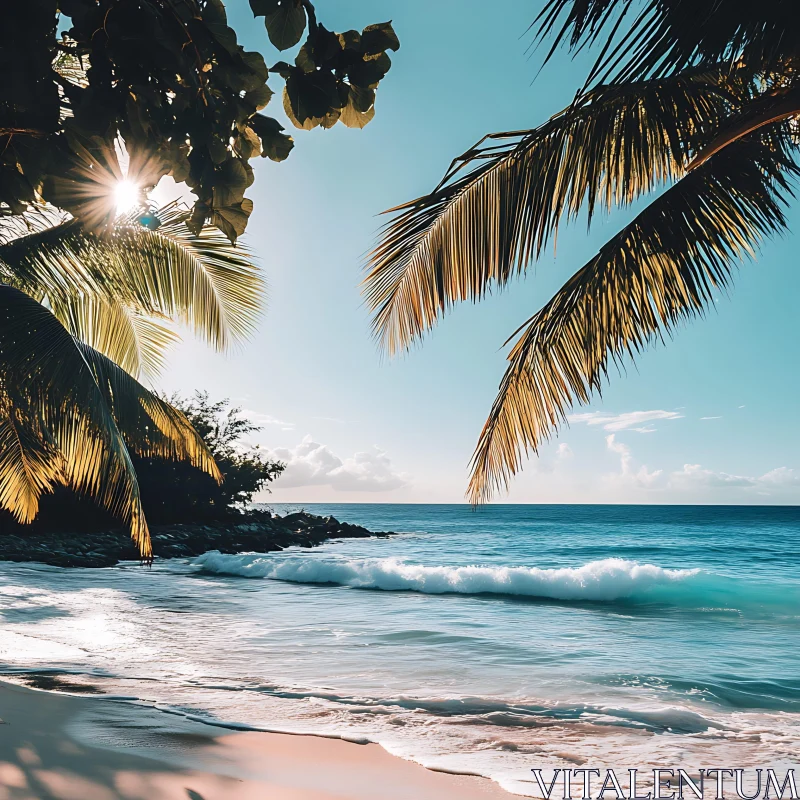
(606, 580)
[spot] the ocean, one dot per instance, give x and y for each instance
(488, 642)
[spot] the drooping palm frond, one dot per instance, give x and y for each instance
(654, 38)
(501, 201)
(210, 285)
(200, 280)
(150, 425)
(134, 340)
(43, 363)
(30, 464)
(662, 268)
(65, 408)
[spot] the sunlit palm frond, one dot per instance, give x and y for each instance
(770, 107)
(216, 276)
(29, 463)
(150, 425)
(43, 362)
(72, 67)
(74, 406)
(504, 198)
(136, 342)
(662, 268)
(201, 280)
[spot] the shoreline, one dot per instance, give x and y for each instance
(71, 747)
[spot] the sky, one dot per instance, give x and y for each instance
(708, 418)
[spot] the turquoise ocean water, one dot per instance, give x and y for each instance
(487, 642)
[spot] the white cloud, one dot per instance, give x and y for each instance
(710, 417)
(628, 473)
(630, 420)
(313, 464)
(782, 476)
(693, 475)
(563, 451)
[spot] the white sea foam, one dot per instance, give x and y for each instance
(605, 580)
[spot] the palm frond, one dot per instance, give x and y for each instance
(770, 107)
(200, 280)
(138, 343)
(661, 269)
(150, 426)
(39, 359)
(77, 409)
(656, 38)
(504, 198)
(29, 463)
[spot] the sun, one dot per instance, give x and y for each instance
(126, 196)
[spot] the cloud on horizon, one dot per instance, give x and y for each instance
(313, 464)
(696, 475)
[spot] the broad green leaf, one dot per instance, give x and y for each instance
(232, 220)
(360, 108)
(286, 24)
(379, 38)
(259, 98)
(369, 72)
(310, 97)
(231, 181)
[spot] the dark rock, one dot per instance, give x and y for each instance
(251, 532)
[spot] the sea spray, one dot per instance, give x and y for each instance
(603, 581)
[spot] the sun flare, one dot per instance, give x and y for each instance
(126, 196)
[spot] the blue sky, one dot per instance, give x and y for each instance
(708, 419)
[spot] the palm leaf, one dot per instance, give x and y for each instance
(200, 280)
(138, 343)
(500, 202)
(770, 107)
(150, 426)
(41, 360)
(662, 268)
(29, 464)
(79, 404)
(656, 38)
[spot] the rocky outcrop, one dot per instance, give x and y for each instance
(258, 532)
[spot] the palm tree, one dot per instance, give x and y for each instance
(693, 104)
(81, 314)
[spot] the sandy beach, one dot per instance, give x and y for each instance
(78, 748)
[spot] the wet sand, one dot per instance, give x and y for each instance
(77, 748)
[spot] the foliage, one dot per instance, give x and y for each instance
(88, 298)
(692, 105)
(73, 307)
(119, 291)
(168, 81)
(176, 491)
